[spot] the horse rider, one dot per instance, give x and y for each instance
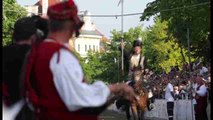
(136, 63)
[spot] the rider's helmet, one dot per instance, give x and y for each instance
(137, 42)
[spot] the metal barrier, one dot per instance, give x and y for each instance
(183, 110)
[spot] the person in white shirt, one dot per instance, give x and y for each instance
(202, 69)
(169, 96)
(201, 99)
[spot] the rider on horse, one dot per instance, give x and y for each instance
(136, 63)
(136, 72)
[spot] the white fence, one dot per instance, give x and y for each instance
(183, 110)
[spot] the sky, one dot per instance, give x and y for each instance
(110, 7)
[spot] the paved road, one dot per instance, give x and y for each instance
(113, 115)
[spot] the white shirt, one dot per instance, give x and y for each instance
(68, 76)
(134, 63)
(202, 90)
(135, 60)
(169, 89)
(203, 70)
(194, 86)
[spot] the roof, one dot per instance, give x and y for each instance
(87, 32)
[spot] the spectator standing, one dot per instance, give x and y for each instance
(176, 93)
(169, 96)
(201, 99)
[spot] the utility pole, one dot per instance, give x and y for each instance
(122, 51)
(189, 50)
(118, 67)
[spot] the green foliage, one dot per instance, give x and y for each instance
(101, 66)
(180, 18)
(160, 49)
(129, 36)
(11, 13)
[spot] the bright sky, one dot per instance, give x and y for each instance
(109, 7)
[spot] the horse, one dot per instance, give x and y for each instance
(139, 106)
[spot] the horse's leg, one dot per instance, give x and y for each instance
(134, 112)
(139, 113)
(127, 112)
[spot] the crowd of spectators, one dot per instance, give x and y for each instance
(182, 80)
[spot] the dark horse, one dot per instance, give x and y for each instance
(138, 107)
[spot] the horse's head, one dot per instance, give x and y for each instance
(137, 75)
(138, 88)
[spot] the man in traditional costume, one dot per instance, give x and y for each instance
(54, 79)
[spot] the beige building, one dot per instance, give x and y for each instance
(32, 9)
(89, 39)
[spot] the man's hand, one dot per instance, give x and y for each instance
(122, 89)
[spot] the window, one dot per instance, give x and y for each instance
(97, 48)
(93, 47)
(89, 47)
(85, 48)
(79, 47)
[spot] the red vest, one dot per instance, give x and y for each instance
(40, 88)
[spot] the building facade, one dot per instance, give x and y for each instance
(89, 39)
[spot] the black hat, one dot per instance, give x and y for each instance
(137, 43)
(24, 28)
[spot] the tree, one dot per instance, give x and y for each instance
(100, 66)
(160, 49)
(129, 36)
(181, 15)
(11, 13)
